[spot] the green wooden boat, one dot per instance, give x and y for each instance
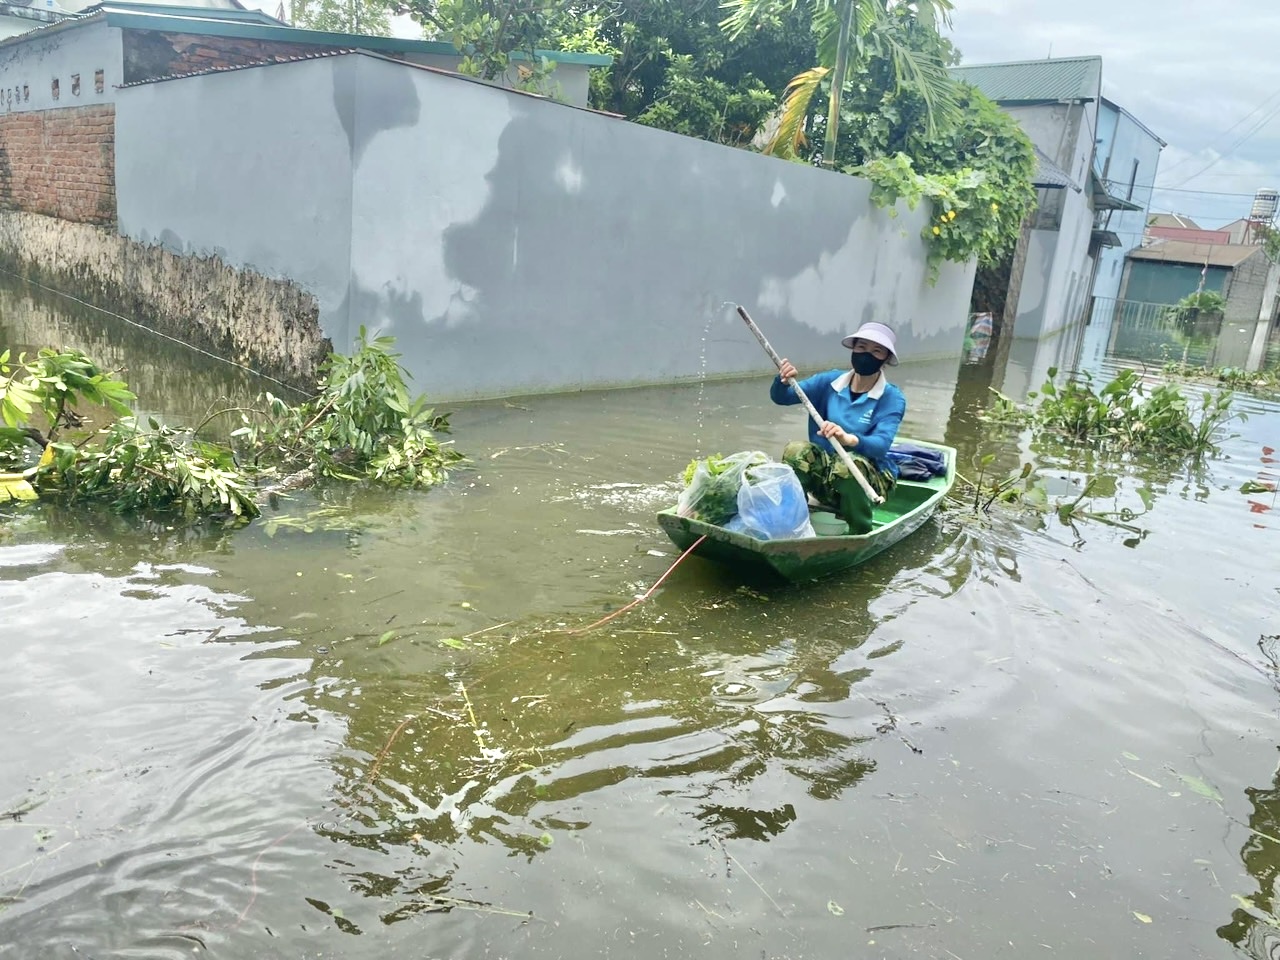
(902, 514)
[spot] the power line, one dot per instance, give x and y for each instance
(1232, 127)
(1232, 149)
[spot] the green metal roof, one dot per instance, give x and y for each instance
(1067, 78)
(205, 25)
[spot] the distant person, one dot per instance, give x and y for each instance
(861, 411)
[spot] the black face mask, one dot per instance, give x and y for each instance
(865, 364)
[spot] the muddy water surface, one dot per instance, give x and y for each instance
(357, 729)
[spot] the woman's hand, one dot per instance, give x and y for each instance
(786, 371)
(833, 431)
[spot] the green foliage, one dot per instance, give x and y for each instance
(676, 69)
(711, 486)
(53, 382)
(1197, 314)
(367, 17)
(977, 213)
(701, 106)
(1128, 415)
(1259, 381)
(158, 469)
(896, 44)
(362, 424)
(492, 34)
(1270, 242)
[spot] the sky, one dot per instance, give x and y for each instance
(1204, 77)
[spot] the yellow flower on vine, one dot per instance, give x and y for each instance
(937, 231)
(951, 215)
(995, 208)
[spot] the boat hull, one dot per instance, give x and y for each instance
(909, 507)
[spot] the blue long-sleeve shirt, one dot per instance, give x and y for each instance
(873, 417)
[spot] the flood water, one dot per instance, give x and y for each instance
(359, 728)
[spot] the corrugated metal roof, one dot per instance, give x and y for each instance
(1067, 78)
(1215, 254)
(1050, 175)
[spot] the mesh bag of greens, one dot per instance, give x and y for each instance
(711, 486)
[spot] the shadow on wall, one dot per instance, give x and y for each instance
(604, 254)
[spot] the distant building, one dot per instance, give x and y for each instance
(1096, 167)
(1166, 271)
(80, 60)
(1125, 162)
(1174, 220)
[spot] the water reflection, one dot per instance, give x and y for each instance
(368, 720)
(169, 379)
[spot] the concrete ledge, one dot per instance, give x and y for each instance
(269, 325)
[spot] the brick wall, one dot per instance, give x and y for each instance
(60, 163)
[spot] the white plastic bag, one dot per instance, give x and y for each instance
(711, 494)
(772, 504)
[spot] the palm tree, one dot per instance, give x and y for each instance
(852, 31)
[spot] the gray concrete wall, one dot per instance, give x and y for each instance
(258, 175)
(29, 64)
(516, 245)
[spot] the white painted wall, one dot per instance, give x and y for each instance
(513, 244)
(29, 65)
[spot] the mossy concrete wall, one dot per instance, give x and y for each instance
(267, 324)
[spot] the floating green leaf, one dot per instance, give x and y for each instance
(1202, 787)
(387, 637)
(1142, 916)
(453, 642)
(835, 908)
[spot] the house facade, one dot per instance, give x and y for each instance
(1125, 162)
(1077, 236)
(83, 60)
(1163, 272)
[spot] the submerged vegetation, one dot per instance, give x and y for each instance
(1257, 381)
(1125, 414)
(361, 426)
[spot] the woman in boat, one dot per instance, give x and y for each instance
(861, 410)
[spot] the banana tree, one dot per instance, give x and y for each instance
(852, 32)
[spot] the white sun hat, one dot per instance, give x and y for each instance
(876, 333)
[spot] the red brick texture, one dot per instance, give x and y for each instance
(60, 163)
(151, 55)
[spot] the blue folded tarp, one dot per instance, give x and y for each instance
(918, 463)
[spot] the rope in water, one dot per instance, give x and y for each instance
(647, 594)
(165, 336)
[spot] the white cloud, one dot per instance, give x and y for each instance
(1186, 73)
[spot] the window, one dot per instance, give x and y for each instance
(53, 90)
(99, 81)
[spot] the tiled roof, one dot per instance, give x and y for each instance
(1067, 78)
(1172, 220)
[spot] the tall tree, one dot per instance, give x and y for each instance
(852, 33)
(366, 17)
